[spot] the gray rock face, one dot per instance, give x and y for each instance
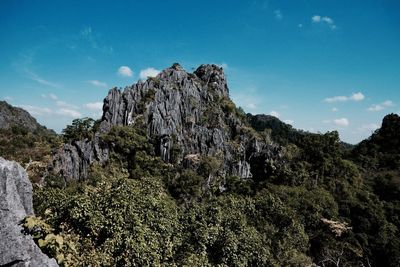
(72, 161)
(17, 249)
(185, 112)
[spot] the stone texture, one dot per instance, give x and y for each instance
(17, 249)
(72, 161)
(181, 110)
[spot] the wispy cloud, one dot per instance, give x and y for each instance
(324, 19)
(278, 14)
(53, 96)
(288, 121)
(69, 113)
(149, 72)
(44, 111)
(335, 109)
(274, 113)
(8, 98)
(33, 76)
(97, 83)
(125, 71)
(341, 122)
(60, 108)
(37, 111)
(354, 97)
(95, 106)
(88, 35)
(63, 104)
(381, 106)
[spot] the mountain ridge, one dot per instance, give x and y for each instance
(175, 174)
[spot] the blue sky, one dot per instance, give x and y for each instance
(319, 65)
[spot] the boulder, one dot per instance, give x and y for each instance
(17, 249)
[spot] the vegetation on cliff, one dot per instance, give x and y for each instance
(319, 207)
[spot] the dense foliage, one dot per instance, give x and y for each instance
(321, 205)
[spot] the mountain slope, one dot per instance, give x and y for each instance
(24, 140)
(175, 175)
(17, 117)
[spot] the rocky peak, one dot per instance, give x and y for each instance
(186, 112)
(214, 77)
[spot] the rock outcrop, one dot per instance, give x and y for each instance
(17, 249)
(73, 160)
(186, 112)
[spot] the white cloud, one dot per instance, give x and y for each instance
(8, 98)
(388, 103)
(354, 97)
(97, 83)
(341, 122)
(95, 106)
(69, 113)
(37, 111)
(149, 72)
(335, 109)
(288, 121)
(278, 14)
(336, 99)
(63, 104)
(381, 106)
(316, 18)
(327, 20)
(274, 113)
(64, 109)
(125, 71)
(357, 96)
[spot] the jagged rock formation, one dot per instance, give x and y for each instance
(73, 160)
(17, 249)
(186, 112)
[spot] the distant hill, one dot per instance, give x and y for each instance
(22, 138)
(382, 149)
(11, 116)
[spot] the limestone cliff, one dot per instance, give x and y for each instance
(187, 113)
